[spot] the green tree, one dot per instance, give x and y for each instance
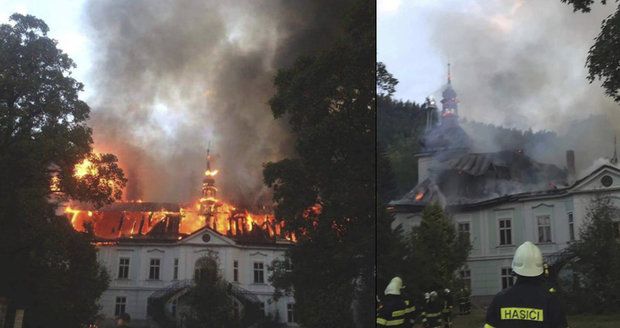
(400, 126)
(390, 244)
(50, 270)
(595, 283)
(386, 82)
(326, 193)
(435, 252)
(604, 56)
(210, 301)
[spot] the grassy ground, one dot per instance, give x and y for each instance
(476, 320)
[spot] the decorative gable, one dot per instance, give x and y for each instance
(206, 236)
(604, 178)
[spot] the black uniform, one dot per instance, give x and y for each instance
(447, 309)
(464, 302)
(526, 304)
(432, 315)
(392, 312)
(411, 312)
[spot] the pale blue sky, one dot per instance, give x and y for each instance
(403, 45)
(518, 63)
(64, 20)
(416, 47)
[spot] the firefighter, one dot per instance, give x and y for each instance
(464, 302)
(431, 317)
(411, 310)
(392, 310)
(446, 312)
(528, 303)
(550, 282)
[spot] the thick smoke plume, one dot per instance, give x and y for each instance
(521, 64)
(170, 76)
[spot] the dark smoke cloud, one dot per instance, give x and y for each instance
(521, 64)
(169, 76)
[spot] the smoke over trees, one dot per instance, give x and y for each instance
(173, 75)
(521, 64)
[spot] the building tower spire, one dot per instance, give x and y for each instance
(208, 157)
(614, 159)
(449, 102)
(209, 193)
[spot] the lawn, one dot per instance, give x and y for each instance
(476, 320)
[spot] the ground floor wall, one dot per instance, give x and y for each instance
(136, 306)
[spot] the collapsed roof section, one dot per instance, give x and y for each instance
(474, 177)
(164, 222)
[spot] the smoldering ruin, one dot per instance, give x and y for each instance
(172, 76)
(521, 64)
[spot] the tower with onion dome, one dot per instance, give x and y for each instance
(449, 102)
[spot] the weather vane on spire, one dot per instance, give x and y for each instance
(449, 74)
(614, 159)
(209, 156)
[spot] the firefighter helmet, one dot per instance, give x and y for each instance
(528, 260)
(394, 287)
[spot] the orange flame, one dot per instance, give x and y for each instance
(210, 173)
(55, 184)
(84, 168)
(419, 196)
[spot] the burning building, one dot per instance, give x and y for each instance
(500, 199)
(152, 252)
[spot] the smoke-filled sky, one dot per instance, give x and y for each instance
(516, 63)
(170, 76)
(165, 78)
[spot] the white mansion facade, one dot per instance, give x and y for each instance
(143, 269)
(551, 218)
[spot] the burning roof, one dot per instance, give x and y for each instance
(167, 221)
(474, 177)
(171, 221)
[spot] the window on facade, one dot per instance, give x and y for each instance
(173, 307)
(544, 228)
(259, 273)
(236, 310)
(262, 307)
(119, 306)
(571, 226)
(235, 271)
(616, 227)
(463, 230)
(290, 312)
(123, 268)
(154, 269)
(507, 278)
(465, 275)
(505, 232)
(175, 272)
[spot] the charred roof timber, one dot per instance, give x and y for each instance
(474, 177)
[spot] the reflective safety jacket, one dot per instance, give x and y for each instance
(448, 303)
(393, 312)
(526, 304)
(411, 312)
(432, 315)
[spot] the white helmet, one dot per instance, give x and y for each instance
(447, 291)
(394, 287)
(528, 260)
